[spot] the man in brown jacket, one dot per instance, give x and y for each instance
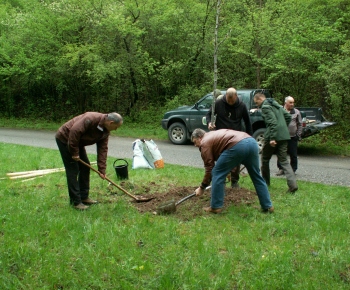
(221, 151)
(71, 138)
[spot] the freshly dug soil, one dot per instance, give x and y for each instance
(190, 208)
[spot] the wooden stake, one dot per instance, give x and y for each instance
(28, 179)
(22, 174)
(42, 171)
(34, 174)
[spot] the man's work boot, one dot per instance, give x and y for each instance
(268, 210)
(89, 201)
(212, 210)
(280, 172)
(292, 189)
(234, 184)
(81, 206)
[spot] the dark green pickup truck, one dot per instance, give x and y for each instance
(181, 121)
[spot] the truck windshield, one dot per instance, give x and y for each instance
(206, 102)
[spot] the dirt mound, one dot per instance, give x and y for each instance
(190, 208)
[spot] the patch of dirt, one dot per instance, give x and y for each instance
(191, 207)
(345, 275)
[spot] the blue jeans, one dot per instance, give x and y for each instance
(245, 152)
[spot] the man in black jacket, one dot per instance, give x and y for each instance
(230, 111)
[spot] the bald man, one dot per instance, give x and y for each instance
(295, 128)
(230, 111)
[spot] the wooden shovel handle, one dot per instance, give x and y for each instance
(189, 196)
(185, 198)
(116, 185)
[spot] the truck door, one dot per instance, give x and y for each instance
(200, 110)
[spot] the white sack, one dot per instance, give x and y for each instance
(138, 160)
(152, 154)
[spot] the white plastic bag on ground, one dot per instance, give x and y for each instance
(146, 150)
(152, 154)
(138, 160)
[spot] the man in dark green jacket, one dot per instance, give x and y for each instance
(276, 139)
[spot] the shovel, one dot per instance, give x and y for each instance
(170, 207)
(138, 199)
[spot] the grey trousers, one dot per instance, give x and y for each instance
(281, 152)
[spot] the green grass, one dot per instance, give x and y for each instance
(45, 244)
(133, 130)
(324, 144)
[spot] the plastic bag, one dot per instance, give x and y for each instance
(138, 160)
(152, 153)
(146, 154)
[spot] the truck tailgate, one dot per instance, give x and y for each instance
(323, 125)
(313, 128)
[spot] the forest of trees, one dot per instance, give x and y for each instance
(59, 58)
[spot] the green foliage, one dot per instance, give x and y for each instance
(336, 75)
(152, 113)
(45, 244)
(187, 97)
(59, 59)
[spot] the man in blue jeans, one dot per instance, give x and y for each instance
(231, 113)
(221, 151)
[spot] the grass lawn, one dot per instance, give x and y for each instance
(46, 244)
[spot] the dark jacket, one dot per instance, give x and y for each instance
(213, 144)
(231, 116)
(276, 119)
(84, 130)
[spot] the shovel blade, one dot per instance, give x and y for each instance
(144, 199)
(167, 208)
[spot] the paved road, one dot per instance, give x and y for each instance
(327, 170)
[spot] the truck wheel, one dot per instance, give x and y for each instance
(258, 135)
(177, 133)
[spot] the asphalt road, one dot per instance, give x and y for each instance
(327, 170)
